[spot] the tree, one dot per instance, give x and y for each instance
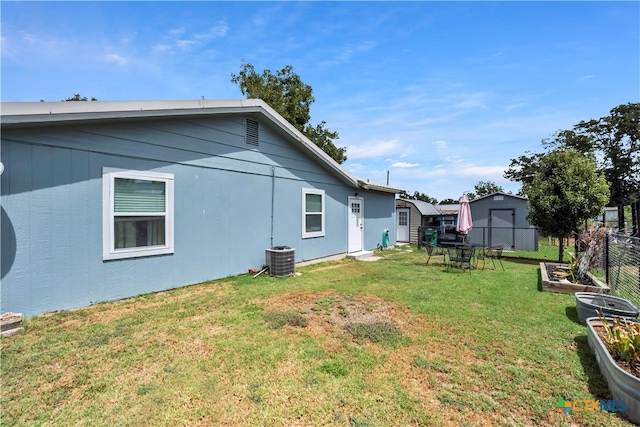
(615, 141)
(449, 202)
(567, 190)
(418, 196)
(286, 93)
(524, 168)
(484, 188)
(77, 97)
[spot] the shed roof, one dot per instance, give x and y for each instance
(498, 193)
(425, 209)
(31, 114)
(451, 209)
(428, 209)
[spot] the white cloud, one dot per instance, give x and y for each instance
(185, 45)
(492, 173)
(219, 30)
(175, 32)
(373, 149)
(515, 106)
(453, 159)
(349, 51)
(355, 167)
(181, 40)
(404, 165)
(472, 101)
(161, 48)
(114, 57)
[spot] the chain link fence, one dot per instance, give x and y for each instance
(521, 242)
(616, 257)
(622, 263)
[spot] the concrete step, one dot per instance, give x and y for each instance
(361, 255)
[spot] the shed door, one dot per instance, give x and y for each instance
(501, 228)
(356, 232)
(402, 230)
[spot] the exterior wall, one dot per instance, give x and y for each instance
(415, 219)
(379, 214)
(51, 201)
(481, 210)
(513, 239)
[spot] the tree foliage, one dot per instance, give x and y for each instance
(524, 168)
(484, 188)
(418, 196)
(613, 140)
(567, 190)
(286, 93)
(449, 202)
(78, 97)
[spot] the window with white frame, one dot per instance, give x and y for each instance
(137, 214)
(312, 213)
(403, 218)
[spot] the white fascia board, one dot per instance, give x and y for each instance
(371, 185)
(32, 113)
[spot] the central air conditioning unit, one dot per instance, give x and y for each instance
(281, 261)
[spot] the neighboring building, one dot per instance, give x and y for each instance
(501, 219)
(608, 218)
(412, 214)
(106, 200)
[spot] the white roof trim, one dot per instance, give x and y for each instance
(371, 185)
(498, 193)
(23, 114)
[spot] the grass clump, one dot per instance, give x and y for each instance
(278, 320)
(377, 332)
(419, 362)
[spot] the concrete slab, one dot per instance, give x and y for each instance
(360, 255)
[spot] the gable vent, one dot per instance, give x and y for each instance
(252, 132)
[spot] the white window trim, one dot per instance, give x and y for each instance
(108, 240)
(305, 234)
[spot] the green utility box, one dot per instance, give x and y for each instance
(431, 236)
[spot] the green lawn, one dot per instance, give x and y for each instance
(388, 343)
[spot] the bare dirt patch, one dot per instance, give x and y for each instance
(329, 310)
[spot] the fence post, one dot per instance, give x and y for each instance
(606, 259)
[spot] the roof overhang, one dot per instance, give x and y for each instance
(498, 193)
(376, 186)
(34, 114)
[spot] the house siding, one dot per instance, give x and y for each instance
(52, 207)
(416, 219)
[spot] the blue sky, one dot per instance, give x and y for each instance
(440, 94)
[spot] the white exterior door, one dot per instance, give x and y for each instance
(356, 227)
(402, 230)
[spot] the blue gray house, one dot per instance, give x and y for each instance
(106, 200)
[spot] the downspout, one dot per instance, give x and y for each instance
(273, 196)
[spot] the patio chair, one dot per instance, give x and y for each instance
(494, 252)
(433, 250)
(460, 256)
(481, 254)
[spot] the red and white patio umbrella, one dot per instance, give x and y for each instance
(465, 223)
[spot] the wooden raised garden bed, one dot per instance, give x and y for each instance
(567, 287)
